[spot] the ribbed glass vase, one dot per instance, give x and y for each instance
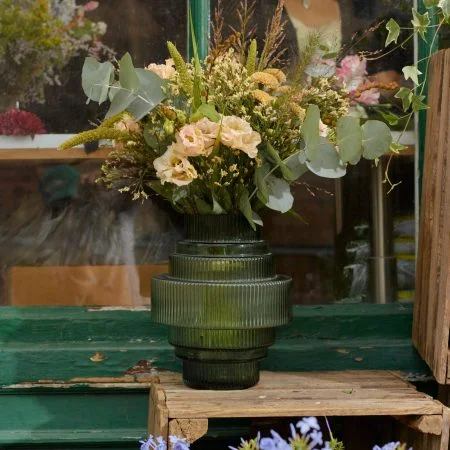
(222, 302)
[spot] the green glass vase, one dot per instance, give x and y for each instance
(222, 302)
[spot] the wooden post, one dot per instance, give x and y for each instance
(158, 414)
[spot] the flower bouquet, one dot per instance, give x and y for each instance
(220, 139)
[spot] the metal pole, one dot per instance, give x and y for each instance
(382, 263)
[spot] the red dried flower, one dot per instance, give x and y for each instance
(16, 122)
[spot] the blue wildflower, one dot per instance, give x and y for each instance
(280, 443)
(148, 444)
(179, 443)
(316, 438)
(267, 444)
(307, 424)
(390, 446)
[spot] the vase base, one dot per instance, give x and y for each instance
(220, 376)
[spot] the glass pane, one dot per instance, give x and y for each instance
(64, 239)
(352, 233)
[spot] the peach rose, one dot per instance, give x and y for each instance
(193, 141)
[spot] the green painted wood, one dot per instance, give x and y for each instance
(201, 12)
(58, 343)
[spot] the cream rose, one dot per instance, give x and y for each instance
(237, 133)
(193, 141)
(210, 131)
(173, 167)
(165, 71)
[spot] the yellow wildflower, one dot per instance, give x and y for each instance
(262, 96)
(277, 73)
(266, 79)
(298, 111)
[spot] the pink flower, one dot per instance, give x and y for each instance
(193, 141)
(90, 6)
(351, 72)
(369, 97)
(16, 122)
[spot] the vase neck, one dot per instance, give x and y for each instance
(218, 228)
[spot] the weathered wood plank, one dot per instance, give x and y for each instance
(432, 307)
(292, 395)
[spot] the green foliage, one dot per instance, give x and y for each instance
(280, 197)
(327, 162)
(310, 131)
(349, 139)
(377, 139)
(181, 67)
(251, 57)
(246, 208)
(420, 23)
(394, 32)
(96, 79)
(412, 72)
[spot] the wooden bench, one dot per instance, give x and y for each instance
(178, 410)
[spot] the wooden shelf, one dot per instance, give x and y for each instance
(30, 154)
(177, 410)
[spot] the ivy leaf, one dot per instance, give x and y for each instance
(393, 32)
(127, 74)
(377, 139)
(280, 196)
(420, 22)
(413, 73)
(327, 163)
(310, 131)
(406, 96)
(246, 208)
(430, 3)
(417, 103)
(349, 139)
(391, 118)
(96, 79)
(261, 183)
(397, 148)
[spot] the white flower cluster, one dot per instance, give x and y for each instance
(198, 139)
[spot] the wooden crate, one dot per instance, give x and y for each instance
(432, 306)
(180, 411)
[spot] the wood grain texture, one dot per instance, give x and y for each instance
(51, 154)
(190, 429)
(432, 307)
(374, 393)
(158, 424)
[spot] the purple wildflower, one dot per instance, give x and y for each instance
(267, 444)
(178, 443)
(307, 424)
(389, 446)
(316, 438)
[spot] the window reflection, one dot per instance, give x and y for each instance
(329, 254)
(64, 239)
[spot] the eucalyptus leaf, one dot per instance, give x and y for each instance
(150, 139)
(121, 101)
(377, 139)
(296, 164)
(275, 156)
(280, 196)
(310, 131)
(127, 74)
(96, 79)
(149, 95)
(246, 208)
(327, 163)
(349, 139)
